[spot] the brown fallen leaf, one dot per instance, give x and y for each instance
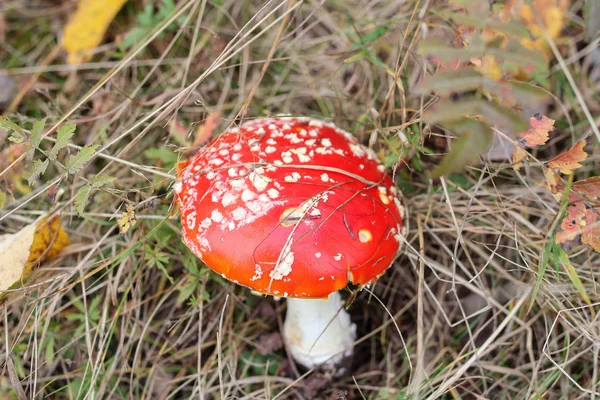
(590, 188)
(570, 160)
(572, 223)
(537, 135)
(591, 232)
(21, 252)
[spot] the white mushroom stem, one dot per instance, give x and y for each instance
(318, 332)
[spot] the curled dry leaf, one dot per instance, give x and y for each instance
(518, 156)
(569, 161)
(537, 135)
(87, 26)
(28, 248)
(554, 183)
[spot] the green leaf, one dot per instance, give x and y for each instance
(16, 134)
(447, 82)
(76, 161)
(449, 110)
(514, 28)
(550, 242)
(63, 136)
(516, 92)
(494, 113)
(502, 117)
(81, 198)
(37, 169)
(3, 199)
(475, 138)
(186, 291)
(101, 180)
(522, 57)
(443, 51)
(370, 37)
(36, 133)
(563, 258)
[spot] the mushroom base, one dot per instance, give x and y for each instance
(319, 332)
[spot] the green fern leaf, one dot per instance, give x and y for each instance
(64, 135)
(76, 161)
(81, 198)
(101, 180)
(38, 168)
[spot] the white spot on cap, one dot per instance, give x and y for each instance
(271, 141)
(380, 168)
(259, 182)
(206, 222)
(191, 220)
(216, 161)
(223, 152)
(237, 147)
(310, 142)
(337, 257)
(239, 213)
(292, 178)
(270, 149)
(216, 216)
(357, 150)
(284, 267)
(384, 199)
(248, 195)
(236, 157)
(318, 255)
(288, 159)
(286, 127)
(325, 178)
(273, 193)
(315, 122)
(228, 199)
(232, 172)
(326, 142)
(261, 130)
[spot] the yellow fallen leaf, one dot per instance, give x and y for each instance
(87, 26)
(552, 13)
(28, 248)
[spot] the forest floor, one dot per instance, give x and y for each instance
(476, 307)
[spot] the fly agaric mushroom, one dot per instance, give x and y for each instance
(296, 208)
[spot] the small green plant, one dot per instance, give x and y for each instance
(72, 165)
(148, 19)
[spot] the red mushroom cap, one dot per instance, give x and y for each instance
(290, 207)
